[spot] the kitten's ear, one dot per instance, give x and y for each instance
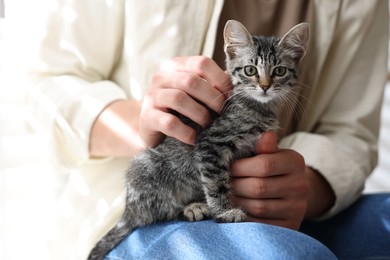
(296, 40)
(235, 36)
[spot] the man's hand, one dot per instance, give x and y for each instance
(125, 127)
(179, 87)
(271, 187)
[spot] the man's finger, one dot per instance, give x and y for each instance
(268, 143)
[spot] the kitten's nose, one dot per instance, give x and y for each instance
(265, 83)
(265, 87)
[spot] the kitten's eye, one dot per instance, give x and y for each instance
(250, 70)
(279, 71)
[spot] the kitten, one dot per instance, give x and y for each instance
(176, 180)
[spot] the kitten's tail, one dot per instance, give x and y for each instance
(111, 239)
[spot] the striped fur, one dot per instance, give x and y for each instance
(175, 180)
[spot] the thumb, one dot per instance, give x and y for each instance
(268, 143)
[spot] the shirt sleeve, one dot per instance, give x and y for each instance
(70, 87)
(342, 145)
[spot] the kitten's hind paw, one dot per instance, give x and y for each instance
(232, 215)
(196, 212)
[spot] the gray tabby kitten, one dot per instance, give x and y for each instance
(176, 180)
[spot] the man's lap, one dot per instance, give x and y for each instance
(209, 240)
(361, 231)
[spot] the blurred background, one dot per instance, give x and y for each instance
(29, 185)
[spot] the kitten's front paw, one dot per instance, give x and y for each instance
(196, 212)
(232, 215)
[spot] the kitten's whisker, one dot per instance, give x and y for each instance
(303, 85)
(305, 99)
(292, 104)
(221, 107)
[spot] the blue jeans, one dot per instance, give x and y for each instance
(362, 231)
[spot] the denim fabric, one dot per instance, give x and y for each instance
(360, 232)
(209, 240)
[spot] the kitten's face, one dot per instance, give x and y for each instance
(264, 68)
